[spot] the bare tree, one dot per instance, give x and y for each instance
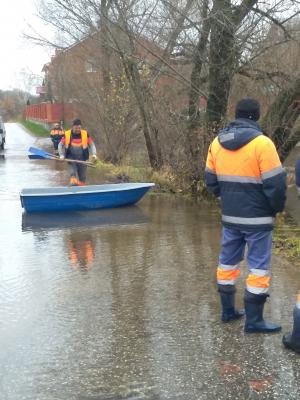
(118, 24)
(205, 48)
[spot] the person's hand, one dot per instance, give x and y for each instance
(61, 157)
(94, 159)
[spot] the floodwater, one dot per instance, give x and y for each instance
(122, 304)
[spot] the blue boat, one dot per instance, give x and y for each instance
(83, 197)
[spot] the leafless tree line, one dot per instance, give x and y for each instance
(216, 50)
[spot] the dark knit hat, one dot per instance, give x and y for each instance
(248, 108)
(77, 122)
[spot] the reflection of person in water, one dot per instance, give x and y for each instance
(81, 252)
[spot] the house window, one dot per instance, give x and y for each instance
(90, 66)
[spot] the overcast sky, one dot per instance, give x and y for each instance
(19, 58)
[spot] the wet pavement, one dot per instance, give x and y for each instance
(122, 304)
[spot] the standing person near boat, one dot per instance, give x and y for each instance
(77, 145)
(292, 340)
(243, 170)
(56, 134)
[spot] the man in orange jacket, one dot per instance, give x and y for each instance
(77, 145)
(56, 134)
(243, 170)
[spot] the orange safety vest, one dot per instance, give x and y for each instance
(84, 138)
(55, 132)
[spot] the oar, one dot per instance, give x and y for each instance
(43, 155)
(36, 157)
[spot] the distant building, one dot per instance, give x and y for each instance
(78, 73)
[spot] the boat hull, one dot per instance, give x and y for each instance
(82, 198)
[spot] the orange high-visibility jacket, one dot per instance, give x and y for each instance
(244, 170)
(77, 139)
(77, 144)
(57, 132)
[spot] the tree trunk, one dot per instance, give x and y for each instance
(194, 135)
(199, 58)
(281, 122)
(143, 100)
(149, 130)
(222, 23)
(222, 59)
(104, 41)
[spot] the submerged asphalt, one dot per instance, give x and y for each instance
(122, 304)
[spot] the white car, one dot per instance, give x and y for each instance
(2, 134)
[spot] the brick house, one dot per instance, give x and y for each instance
(74, 77)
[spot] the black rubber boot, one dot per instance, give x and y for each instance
(254, 307)
(292, 340)
(227, 295)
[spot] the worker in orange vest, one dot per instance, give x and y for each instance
(56, 134)
(244, 170)
(77, 145)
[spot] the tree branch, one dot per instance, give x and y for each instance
(274, 20)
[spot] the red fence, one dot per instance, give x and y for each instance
(49, 113)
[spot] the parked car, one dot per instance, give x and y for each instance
(2, 134)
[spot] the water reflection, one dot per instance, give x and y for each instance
(37, 222)
(81, 251)
(100, 305)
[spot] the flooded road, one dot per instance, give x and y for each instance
(94, 309)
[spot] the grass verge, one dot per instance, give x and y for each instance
(165, 180)
(35, 129)
(287, 239)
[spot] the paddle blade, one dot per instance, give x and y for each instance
(35, 157)
(41, 153)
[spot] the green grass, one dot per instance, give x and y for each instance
(35, 129)
(287, 239)
(164, 180)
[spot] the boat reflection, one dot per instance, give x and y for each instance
(37, 222)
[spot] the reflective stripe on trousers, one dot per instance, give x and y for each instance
(258, 281)
(227, 274)
(259, 246)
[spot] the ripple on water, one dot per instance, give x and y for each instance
(6, 194)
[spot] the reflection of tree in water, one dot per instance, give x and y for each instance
(129, 373)
(81, 251)
(180, 302)
(161, 280)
